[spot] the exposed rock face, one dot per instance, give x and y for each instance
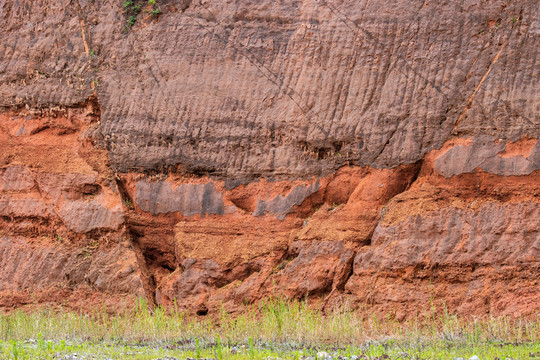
(188, 199)
(384, 153)
(282, 205)
(113, 270)
(491, 156)
(84, 216)
(288, 86)
(481, 261)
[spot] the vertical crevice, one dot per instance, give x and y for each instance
(149, 284)
(349, 273)
(152, 237)
(133, 235)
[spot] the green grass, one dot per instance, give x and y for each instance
(276, 328)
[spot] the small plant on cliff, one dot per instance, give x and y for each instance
(133, 8)
(131, 21)
(335, 206)
(154, 9)
(128, 204)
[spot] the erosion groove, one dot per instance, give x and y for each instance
(214, 154)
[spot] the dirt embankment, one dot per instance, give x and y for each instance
(384, 155)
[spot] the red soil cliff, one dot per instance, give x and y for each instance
(219, 153)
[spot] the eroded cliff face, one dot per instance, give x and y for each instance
(384, 154)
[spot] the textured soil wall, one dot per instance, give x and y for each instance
(381, 153)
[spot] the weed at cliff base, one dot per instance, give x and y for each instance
(276, 327)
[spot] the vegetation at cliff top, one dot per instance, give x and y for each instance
(276, 329)
(133, 8)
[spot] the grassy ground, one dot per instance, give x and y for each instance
(276, 329)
